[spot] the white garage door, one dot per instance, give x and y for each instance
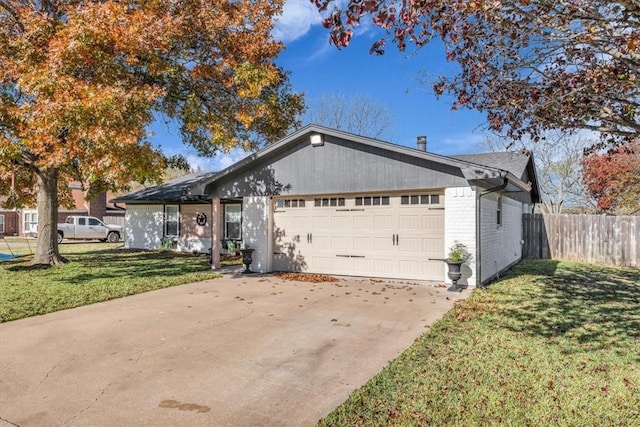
(371, 235)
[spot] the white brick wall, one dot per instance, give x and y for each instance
(500, 244)
(460, 225)
(255, 230)
(143, 226)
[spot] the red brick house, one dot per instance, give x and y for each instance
(22, 222)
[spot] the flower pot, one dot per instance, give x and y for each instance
(455, 271)
(247, 259)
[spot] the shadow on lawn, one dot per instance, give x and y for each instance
(581, 307)
(120, 263)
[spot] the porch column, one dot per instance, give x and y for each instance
(215, 233)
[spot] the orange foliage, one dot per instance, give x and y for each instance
(81, 81)
(613, 178)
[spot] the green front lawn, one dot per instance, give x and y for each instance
(553, 343)
(97, 272)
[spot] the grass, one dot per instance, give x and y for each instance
(97, 272)
(552, 343)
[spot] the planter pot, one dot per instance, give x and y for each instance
(247, 259)
(455, 271)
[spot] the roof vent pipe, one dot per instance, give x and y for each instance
(422, 143)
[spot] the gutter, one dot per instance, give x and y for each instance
(505, 181)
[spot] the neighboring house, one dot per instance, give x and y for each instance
(325, 201)
(24, 222)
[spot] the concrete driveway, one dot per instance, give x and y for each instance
(240, 350)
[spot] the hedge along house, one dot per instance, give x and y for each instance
(325, 201)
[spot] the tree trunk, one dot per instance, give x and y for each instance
(47, 253)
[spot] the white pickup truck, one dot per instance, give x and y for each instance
(88, 228)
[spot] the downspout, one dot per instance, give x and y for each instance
(211, 263)
(505, 182)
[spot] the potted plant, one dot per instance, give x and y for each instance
(247, 258)
(458, 255)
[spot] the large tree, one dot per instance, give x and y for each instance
(356, 114)
(531, 65)
(80, 82)
(558, 160)
(613, 178)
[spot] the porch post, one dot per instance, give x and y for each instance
(215, 233)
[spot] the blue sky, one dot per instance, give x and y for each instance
(318, 69)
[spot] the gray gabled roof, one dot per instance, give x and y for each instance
(519, 163)
(514, 162)
(179, 189)
(474, 166)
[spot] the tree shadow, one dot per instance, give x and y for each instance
(287, 256)
(124, 263)
(583, 308)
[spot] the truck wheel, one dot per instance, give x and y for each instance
(113, 237)
(60, 237)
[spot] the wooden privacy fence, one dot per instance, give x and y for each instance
(613, 240)
(114, 219)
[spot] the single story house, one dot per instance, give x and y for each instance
(325, 201)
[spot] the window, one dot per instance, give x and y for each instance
(94, 221)
(82, 221)
(372, 201)
(499, 212)
(171, 217)
(1, 224)
(420, 199)
(333, 201)
(290, 203)
(30, 223)
(233, 222)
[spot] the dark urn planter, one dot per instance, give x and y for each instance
(247, 259)
(455, 271)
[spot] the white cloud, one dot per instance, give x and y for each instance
(296, 20)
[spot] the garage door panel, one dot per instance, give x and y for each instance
(410, 268)
(321, 223)
(433, 269)
(363, 222)
(342, 264)
(409, 244)
(433, 222)
(409, 222)
(288, 262)
(321, 241)
(322, 263)
(383, 267)
(362, 265)
(383, 222)
(341, 223)
(340, 243)
(432, 245)
(362, 243)
(300, 222)
(383, 244)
